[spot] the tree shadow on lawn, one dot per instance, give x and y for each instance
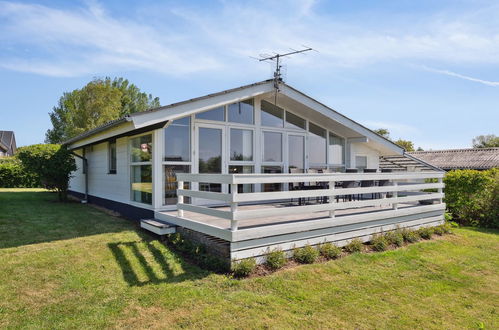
(138, 271)
(37, 217)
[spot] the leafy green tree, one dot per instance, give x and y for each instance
(98, 102)
(486, 141)
(383, 132)
(406, 144)
(52, 163)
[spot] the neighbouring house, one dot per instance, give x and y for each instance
(461, 159)
(7, 143)
(251, 169)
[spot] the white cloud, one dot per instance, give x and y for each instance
(458, 75)
(189, 39)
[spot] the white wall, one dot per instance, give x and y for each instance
(100, 183)
(363, 149)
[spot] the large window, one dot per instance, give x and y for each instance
(170, 176)
(238, 169)
(316, 144)
(112, 157)
(361, 162)
(272, 115)
(241, 144)
(272, 147)
(275, 186)
(241, 112)
(178, 141)
(141, 169)
(336, 150)
(217, 114)
(294, 121)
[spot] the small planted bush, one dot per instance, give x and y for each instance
(244, 267)
(306, 254)
(379, 242)
(447, 228)
(355, 245)
(410, 235)
(438, 230)
(395, 237)
(329, 251)
(275, 259)
(425, 232)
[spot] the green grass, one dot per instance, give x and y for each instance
(71, 266)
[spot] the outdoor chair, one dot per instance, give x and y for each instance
(384, 183)
(348, 184)
(368, 183)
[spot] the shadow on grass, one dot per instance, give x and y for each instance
(138, 271)
(28, 217)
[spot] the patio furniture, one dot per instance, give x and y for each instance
(348, 184)
(383, 183)
(368, 183)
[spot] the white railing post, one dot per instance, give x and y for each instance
(233, 207)
(440, 190)
(331, 198)
(395, 195)
(180, 199)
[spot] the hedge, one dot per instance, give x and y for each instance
(14, 175)
(473, 197)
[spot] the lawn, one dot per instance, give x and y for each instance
(72, 266)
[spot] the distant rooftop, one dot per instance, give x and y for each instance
(451, 159)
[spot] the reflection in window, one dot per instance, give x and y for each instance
(361, 162)
(336, 149)
(296, 153)
(316, 144)
(237, 169)
(272, 115)
(294, 121)
(217, 114)
(141, 178)
(241, 144)
(178, 141)
(170, 175)
(272, 147)
(241, 112)
(141, 149)
(271, 170)
(210, 156)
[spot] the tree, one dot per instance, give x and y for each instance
(486, 141)
(53, 163)
(383, 132)
(98, 102)
(406, 144)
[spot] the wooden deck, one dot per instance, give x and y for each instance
(254, 223)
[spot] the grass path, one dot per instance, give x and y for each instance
(71, 266)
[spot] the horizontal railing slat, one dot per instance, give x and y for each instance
(206, 210)
(274, 195)
(205, 194)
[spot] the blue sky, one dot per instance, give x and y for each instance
(426, 70)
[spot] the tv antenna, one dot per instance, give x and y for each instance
(276, 57)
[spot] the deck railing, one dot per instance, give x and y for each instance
(390, 193)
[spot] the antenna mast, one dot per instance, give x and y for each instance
(277, 58)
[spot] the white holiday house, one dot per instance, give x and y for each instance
(258, 168)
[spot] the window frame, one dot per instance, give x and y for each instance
(132, 163)
(110, 170)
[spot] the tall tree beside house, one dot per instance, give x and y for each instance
(486, 141)
(98, 102)
(406, 144)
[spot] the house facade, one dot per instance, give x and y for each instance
(253, 145)
(7, 143)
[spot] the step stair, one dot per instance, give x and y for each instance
(158, 227)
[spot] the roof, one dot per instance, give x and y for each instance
(150, 117)
(8, 141)
(450, 159)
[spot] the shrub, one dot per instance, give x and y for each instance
(355, 245)
(306, 254)
(425, 232)
(447, 228)
(14, 175)
(473, 197)
(52, 162)
(244, 267)
(329, 251)
(410, 235)
(275, 259)
(379, 242)
(438, 230)
(395, 237)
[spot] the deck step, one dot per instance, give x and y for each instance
(157, 226)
